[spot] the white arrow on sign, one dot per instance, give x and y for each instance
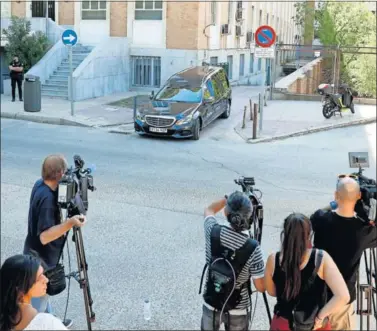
(70, 38)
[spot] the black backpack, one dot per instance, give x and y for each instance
(303, 317)
(223, 271)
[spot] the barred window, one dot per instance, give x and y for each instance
(148, 10)
(93, 10)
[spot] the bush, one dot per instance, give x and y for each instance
(29, 46)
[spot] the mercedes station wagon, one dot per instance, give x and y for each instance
(188, 102)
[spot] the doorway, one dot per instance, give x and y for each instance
(38, 9)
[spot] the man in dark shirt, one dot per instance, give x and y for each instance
(17, 76)
(345, 236)
(46, 230)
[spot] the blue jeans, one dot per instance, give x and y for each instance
(42, 304)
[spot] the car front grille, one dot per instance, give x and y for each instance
(159, 122)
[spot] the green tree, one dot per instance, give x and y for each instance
(30, 47)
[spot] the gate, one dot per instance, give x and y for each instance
(38, 9)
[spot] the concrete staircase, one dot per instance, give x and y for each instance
(57, 84)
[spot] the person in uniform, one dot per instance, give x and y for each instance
(17, 76)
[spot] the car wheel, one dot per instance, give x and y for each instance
(196, 133)
(226, 113)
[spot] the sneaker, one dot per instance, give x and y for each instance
(21, 99)
(68, 323)
(13, 100)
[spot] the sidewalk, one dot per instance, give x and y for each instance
(90, 113)
(284, 119)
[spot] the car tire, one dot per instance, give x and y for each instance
(196, 133)
(226, 113)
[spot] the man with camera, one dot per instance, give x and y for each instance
(345, 235)
(46, 229)
(232, 258)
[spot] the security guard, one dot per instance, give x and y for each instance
(17, 76)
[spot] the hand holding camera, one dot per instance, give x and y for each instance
(77, 220)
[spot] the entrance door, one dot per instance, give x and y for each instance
(38, 9)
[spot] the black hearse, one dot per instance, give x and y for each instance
(188, 102)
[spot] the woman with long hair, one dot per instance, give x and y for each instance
(22, 278)
(288, 274)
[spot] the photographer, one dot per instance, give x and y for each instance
(236, 308)
(345, 236)
(46, 230)
(22, 279)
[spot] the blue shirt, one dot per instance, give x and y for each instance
(44, 213)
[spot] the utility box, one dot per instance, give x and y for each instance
(32, 94)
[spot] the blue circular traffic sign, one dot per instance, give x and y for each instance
(69, 37)
(265, 36)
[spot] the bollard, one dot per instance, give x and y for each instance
(259, 102)
(251, 110)
(265, 98)
(135, 106)
(244, 118)
(255, 121)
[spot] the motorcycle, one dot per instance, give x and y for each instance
(338, 102)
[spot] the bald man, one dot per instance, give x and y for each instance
(46, 228)
(344, 236)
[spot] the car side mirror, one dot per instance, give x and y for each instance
(209, 100)
(152, 95)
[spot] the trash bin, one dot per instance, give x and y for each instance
(32, 94)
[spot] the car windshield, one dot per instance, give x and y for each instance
(180, 94)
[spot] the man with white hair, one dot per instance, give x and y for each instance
(345, 236)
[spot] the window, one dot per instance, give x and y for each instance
(213, 60)
(213, 12)
(148, 10)
(180, 94)
(267, 18)
(216, 87)
(223, 80)
(230, 11)
(251, 63)
(242, 65)
(145, 71)
(260, 18)
(230, 66)
(93, 10)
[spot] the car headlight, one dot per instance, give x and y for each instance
(185, 120)
(140, 116)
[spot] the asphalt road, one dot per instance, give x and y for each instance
(144, 237)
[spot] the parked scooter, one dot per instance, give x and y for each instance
(336, 103)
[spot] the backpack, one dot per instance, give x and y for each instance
(223, 270)
(302, 318)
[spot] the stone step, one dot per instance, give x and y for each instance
(65, 67)
(60, 72)
(55, 86)
(74, 62)
(57, 81)
(59, 75)
(55, 93)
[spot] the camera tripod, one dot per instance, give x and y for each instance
(81, 275)
(367, 292)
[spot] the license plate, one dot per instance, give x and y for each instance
(158, 130)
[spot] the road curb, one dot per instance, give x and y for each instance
(310, 131)
(43, 119)
(121, 131)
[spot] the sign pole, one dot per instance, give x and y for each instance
(71, 81)
(69, 39)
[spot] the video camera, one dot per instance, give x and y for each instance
(368, 187)
(73, 188)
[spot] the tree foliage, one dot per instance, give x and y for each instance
(347, 24)
(29, 46)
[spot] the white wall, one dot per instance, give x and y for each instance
(104, 71)
(92, 32)
(146, 33)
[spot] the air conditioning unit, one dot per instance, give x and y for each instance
(250, 37)
(239, 31)
(239, 14)
(225, 29)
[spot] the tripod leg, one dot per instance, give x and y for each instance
(83, 276)
(267, 307)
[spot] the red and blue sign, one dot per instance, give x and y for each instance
(265, 36)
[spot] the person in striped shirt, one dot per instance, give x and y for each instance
(237, 209)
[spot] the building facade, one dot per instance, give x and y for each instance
(168, 36)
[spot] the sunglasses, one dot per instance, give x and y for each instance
(348, 176)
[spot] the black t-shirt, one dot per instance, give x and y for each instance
(15, 74)
(345, 239)
(44, 213)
